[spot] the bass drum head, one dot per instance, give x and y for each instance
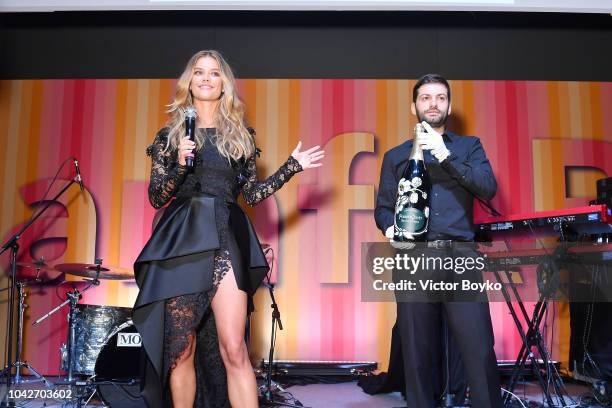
(120, 358)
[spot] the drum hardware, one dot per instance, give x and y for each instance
(38, 267)
(73, 298)
(13, 245)
(117, 329)
(95, 271)
(83, 390)
(91, 329)
(38, 273)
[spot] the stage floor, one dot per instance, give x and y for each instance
(341, 395)
(349, 395)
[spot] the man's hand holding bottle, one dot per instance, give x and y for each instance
(431, 140)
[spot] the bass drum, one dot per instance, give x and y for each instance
(120, 357)
(93, 323)
(118, 368)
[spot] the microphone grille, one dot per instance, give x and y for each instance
(191, 112)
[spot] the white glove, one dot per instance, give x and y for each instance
(389, 233)
(431, 140)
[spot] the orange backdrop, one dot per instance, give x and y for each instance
(532, 131)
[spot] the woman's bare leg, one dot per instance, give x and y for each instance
(183, 377)
(230, 307)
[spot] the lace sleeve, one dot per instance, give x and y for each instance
(255, 191)
(166, 173)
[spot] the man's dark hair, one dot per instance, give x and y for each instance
(430, 79)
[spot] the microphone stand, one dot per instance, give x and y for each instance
(268, 395)
(13, 244)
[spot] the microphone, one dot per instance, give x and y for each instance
(190, 119)
(78, 177)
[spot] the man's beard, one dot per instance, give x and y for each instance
(439, 122)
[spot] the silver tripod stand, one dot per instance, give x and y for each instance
(18, 364)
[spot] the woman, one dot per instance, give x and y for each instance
(203, 254)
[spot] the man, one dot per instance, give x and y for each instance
(459, 170)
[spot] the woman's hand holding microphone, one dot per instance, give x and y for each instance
(185, 149)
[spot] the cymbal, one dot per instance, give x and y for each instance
(75, 284)
(38, 272)
(90, 271)
(35, 265)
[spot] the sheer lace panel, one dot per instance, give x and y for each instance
(183, 315)
(255, 191)
(222, 266)
(166, 173)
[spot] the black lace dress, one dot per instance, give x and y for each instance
(201, 235)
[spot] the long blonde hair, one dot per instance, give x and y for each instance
(234, 140)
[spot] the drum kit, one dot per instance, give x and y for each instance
(102, 344)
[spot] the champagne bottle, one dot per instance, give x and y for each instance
(412, 205)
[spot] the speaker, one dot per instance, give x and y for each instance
(604, 191)
(604, 184)
(591, 340)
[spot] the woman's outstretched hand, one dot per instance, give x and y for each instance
(308, 158)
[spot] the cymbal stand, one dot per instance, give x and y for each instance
(81, 389)
(73, 298)
(21, 296)
(13, 244)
